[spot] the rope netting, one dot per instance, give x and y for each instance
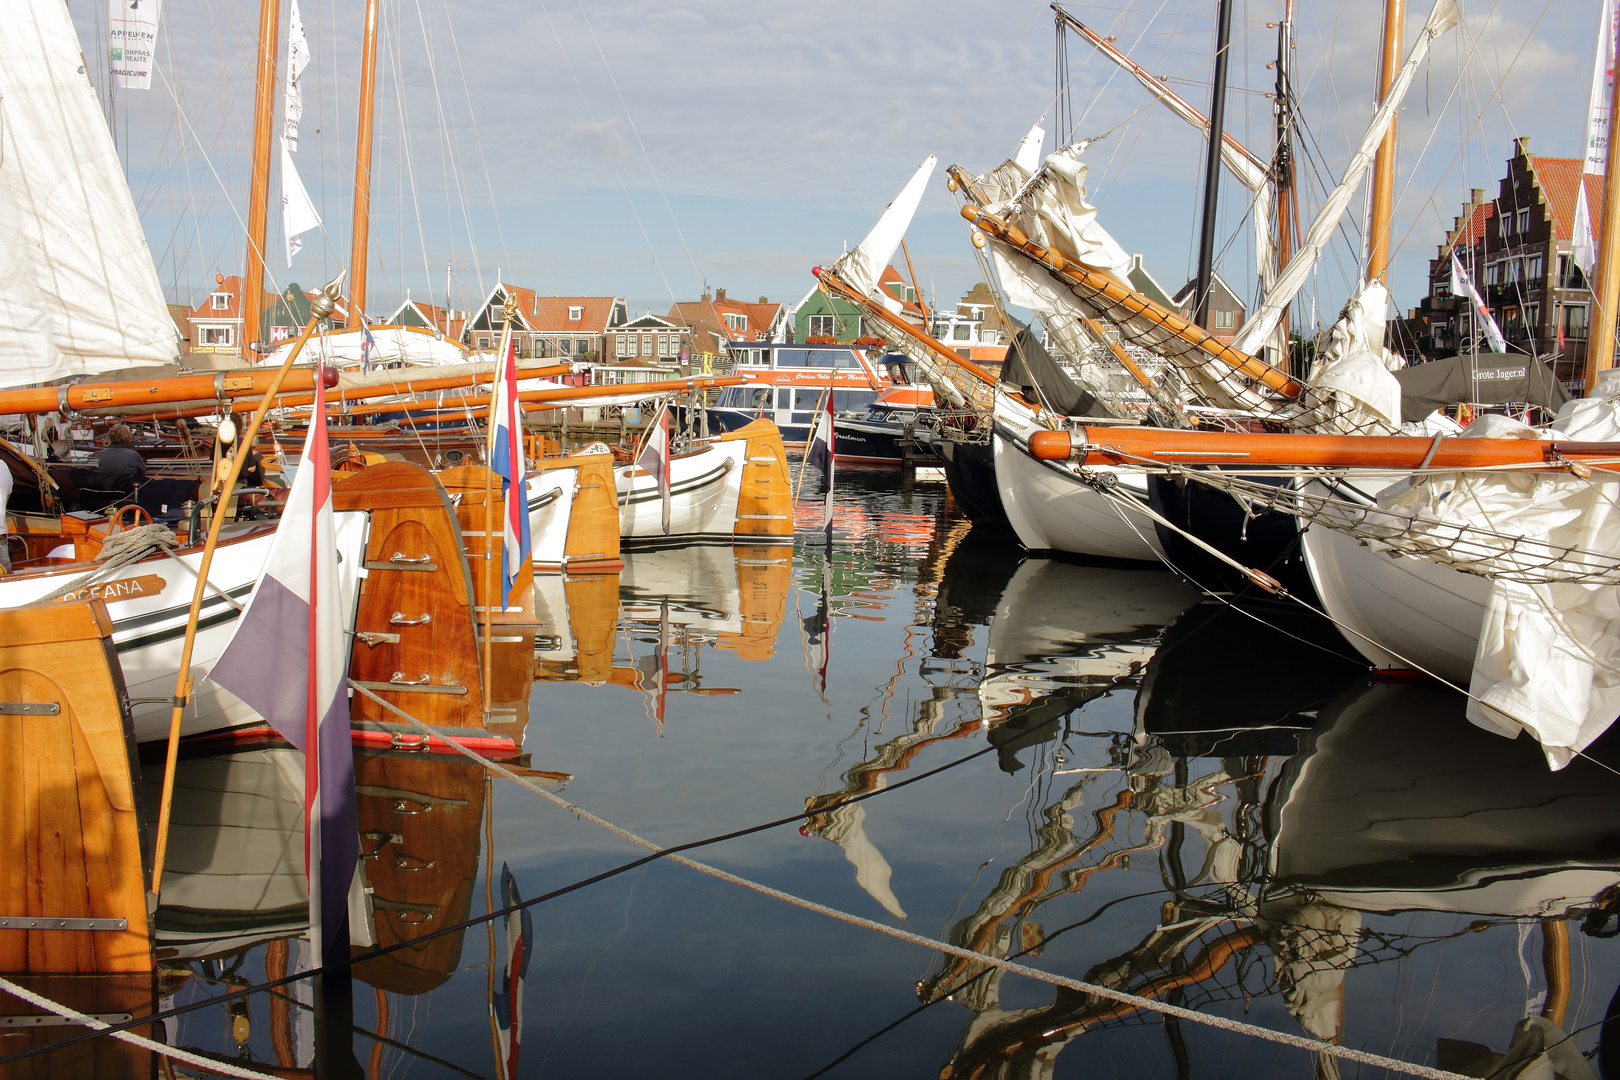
(1469, 547)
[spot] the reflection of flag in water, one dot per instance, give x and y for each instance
(818, 630)
(819, 455)
(287, 660)
(655, 669)
(507, 1004)
(367, 347)
(654, 457)
(506, 458)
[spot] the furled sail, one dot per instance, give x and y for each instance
(78, 291)
(861, 268)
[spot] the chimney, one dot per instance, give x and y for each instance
(719, 294)
(763, 300)
(1521, 145)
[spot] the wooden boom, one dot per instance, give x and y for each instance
(1139, 446)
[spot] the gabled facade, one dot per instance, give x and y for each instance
(1145, 283)
(284, 317)
(1226, 311)
(564, 327)
(820, 319)
(447, 322)
(976, 329)
(650, 339)
(716, 321)
(216, 322)
(1518, 248)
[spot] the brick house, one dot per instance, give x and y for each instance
(716, 321)
(1226, 311)
(1517, 247)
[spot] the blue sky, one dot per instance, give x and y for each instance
(642, 149)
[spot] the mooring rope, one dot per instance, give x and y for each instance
(163, 1049)
(119, 549)
(1237, 1026)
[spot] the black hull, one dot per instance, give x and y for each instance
(1268, 541)
(970, 471)
(874, 443)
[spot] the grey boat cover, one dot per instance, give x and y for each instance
(1029, 366)
(1478, 378)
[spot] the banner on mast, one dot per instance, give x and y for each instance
(1597, 113)
(1463, 285)
(297, 59)
(298, 214)
(132, 41)
(1583, 244)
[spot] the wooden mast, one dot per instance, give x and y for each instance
(1600, 348)
(361, 233)
(259, 184)
(1383, 178)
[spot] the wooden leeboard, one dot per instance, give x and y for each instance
(69, 820)
(421, 831)
(765, 505)
(105, 996)
(412, 520)
(593, 523)
(481, 532)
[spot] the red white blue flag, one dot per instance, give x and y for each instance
(289, 660)
(507, 1004)
(506, 459)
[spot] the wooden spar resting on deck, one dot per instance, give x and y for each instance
(144, 394)
(1075, 275)
(72, 885)
(1137, 446)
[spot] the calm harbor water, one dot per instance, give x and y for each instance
(1087, 767)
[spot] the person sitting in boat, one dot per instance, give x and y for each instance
(120, 466)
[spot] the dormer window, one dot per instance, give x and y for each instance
(736, 322)
(575, 314)
(221, 301)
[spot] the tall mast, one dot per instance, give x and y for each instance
(1212, 169)
(362, 171)
(259, 185)
(1283, 161)
(1383, 179)
(1600, 348)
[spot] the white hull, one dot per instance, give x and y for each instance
(1051, 509)
(1397, 612)
(149, 625)
(704, 489)
(551, 504)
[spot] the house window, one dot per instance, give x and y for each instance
(575, 314)
(1493, 274)
(582, 346)
(646, 344)
(1524, 222)
(821, 326)
(483, 343)
(1533, 269)
(1223, 319)
(1506, 227)
(1575, 322)
(736, 322)
(564, 344)
(1532, 318)
(221, 301)
(1569, 273)
(216, 335)
(619, 345)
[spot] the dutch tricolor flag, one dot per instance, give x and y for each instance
(819, 455)
(289, 661)
(506, 458)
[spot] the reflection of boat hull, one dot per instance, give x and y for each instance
(970, 470)
(1065, 633)
(1401, 612)
(1395, 802)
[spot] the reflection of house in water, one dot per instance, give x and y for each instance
(1394, 805)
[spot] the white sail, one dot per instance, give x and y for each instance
(78, 292)
(1257, 330)
(862, 267)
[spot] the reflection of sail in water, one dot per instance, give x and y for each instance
(1065, 633)
(235, 872)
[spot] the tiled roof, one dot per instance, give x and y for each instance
(1560, 180)
(549, 314)
(205, 311)
(891, 280)
(709, 315)
(1472, 231)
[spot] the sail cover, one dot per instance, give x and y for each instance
(78, 292)
(1480, 379)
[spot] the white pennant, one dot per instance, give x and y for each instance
(298, 213)
(297, 60)
(1597, 112)
(1583, 245)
